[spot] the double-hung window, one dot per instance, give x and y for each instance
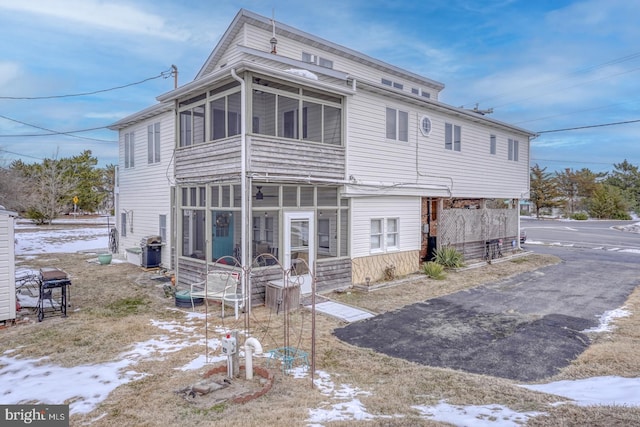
(492, 144)
(514, 147)
(452, 137)
(129, 149)
(397, 124)
(384, 234)
(153, 143)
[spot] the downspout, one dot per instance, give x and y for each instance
(244, 255)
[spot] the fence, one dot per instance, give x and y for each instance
(470, 230)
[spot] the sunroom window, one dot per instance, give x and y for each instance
(303, 115)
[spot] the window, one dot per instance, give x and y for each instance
(225, 116)
(192, 123)
(426, 94)
(326, 63)
(123, 225)
(153, 143)
(514, 147)
(492, 144)
(376, 234)
(452, 137)
(129, 149)
(384, 234)
(324, 228)
(392, 233)
(317, 60)
(192, 129)
(300, 114)
(397, 125)
(425, 125)
(393, 84)
(162, 227)
(415, 91)
(309, 58)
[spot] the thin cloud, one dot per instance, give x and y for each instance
(92, 13)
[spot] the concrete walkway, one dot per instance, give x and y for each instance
(341, 311)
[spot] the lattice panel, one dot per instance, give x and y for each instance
(460, 226)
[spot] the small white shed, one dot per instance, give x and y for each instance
(7, 265)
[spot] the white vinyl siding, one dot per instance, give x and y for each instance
(366, 210)
(423, 161)
(254, 38)
(7, 267)
(144, 196)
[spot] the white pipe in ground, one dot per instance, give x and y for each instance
(251, 345)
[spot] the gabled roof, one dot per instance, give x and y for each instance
(245, 16)
(149, 112)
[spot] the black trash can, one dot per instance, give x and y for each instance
(151, 251)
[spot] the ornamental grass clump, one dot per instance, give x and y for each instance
(448, 257)
(433, 270)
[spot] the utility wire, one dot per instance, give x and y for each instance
(164, 74)
(589, 126)
(53, 132)
(18, 154)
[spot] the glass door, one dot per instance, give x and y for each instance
(299, 248)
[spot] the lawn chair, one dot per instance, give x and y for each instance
(216, 286)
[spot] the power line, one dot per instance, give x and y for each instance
(571, 161)
(18, 154)
(165, 74)
(53, 132)
(589, 127)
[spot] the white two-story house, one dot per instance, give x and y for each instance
(294, 146)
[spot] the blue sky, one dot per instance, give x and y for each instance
(541, 65)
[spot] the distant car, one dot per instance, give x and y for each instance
(523, 236)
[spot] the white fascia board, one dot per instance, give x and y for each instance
(197, 86)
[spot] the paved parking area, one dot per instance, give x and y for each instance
(525, 328)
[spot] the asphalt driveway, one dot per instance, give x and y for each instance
(525, 328)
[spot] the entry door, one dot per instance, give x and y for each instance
(222, 234)
(299, 247)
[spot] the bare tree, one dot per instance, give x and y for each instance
(47, 186)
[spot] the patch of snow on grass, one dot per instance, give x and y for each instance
(607, 318)
(611, 390)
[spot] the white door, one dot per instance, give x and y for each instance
(299, 247)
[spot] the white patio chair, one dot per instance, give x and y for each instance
(216, 286)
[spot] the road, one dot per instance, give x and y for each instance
(605, 235)
(525, 328)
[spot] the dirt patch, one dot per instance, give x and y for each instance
(217, 387)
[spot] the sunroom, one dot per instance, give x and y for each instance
(288, 208)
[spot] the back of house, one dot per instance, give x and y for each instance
(291, 150)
